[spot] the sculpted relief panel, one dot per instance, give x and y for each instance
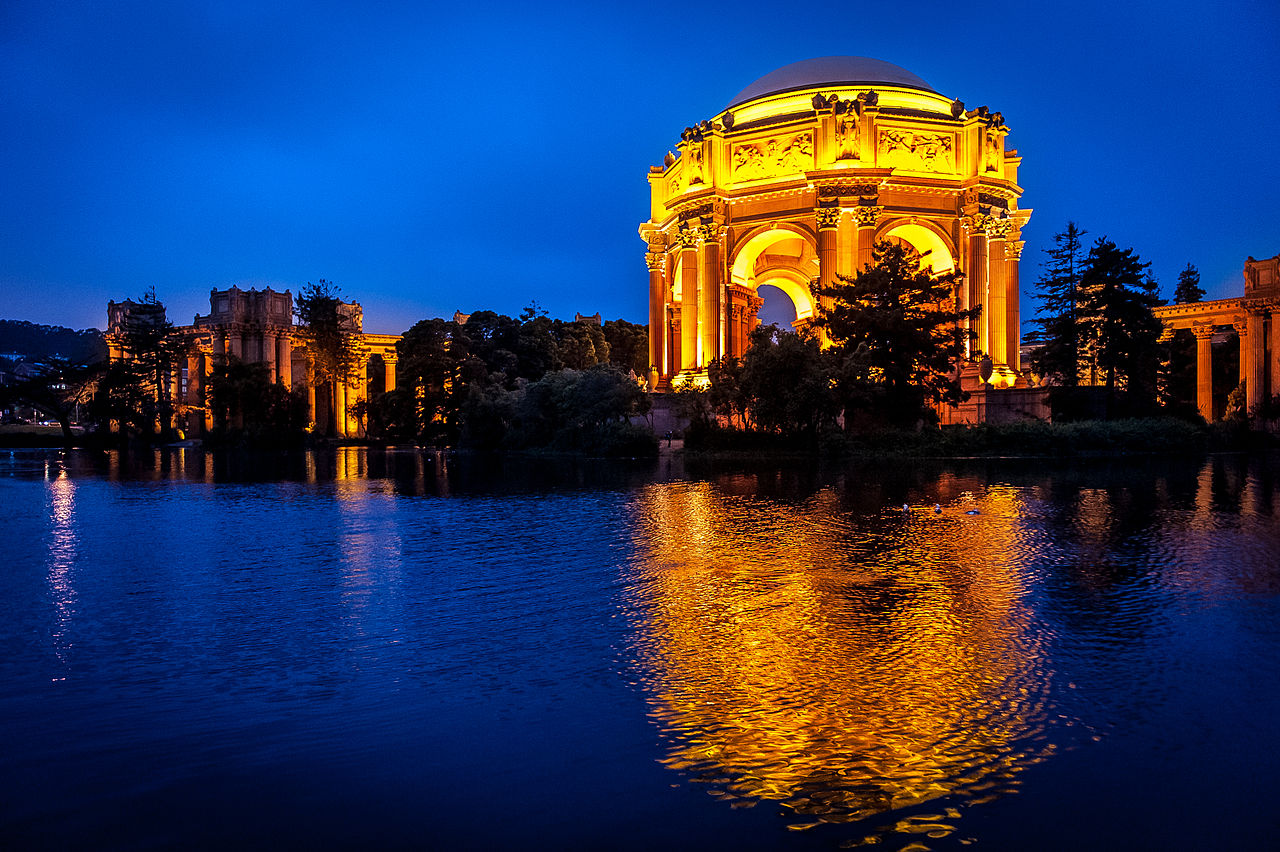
(770, 157)
(917, 152)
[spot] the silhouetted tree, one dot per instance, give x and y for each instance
(1188, 289)
(1117, 326)
(331, 334)
(628, 345)
(1057, 334)
(896, 338)
(56, 388)
(784, 382)
(247, 404)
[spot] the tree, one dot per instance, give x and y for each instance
(245, 401)
(1057, 333)
(152, 354)
(1179, 367)
(1188, 289)
(784, 383)
(431, 356)
(57, 388)
(330, 330)
(1117, 327)
(628, 345)
(896, 338)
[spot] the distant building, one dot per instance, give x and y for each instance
(256, 326)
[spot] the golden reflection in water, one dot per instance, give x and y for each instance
(370, 543)
(61, 492)
(840, 665)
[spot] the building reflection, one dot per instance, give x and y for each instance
(60, 563)
(840, 664)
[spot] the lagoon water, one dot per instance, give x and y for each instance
(391, 649)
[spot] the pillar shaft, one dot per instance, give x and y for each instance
(1257, 362)
(977, 281)
(657, 311)
(284, 359)
(269, 354)
(996, 309)
(709, 289)
(1204, 373)
(689, 307)
(1013, 307)
(1274, 355)
(388, 372)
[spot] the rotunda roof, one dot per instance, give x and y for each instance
(829, 71)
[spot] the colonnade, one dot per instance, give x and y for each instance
(1257, 324)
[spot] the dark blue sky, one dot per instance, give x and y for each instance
(476, 155)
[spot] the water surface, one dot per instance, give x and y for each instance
(389, 649)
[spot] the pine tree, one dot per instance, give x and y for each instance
(1057, 336)
(896, 338)
(1189, 289)
(1116, 323)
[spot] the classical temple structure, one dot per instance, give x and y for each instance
(798, 177)
(1255, 317)
(257, 326)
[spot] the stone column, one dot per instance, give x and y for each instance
(206, 366)
(1204, 370)
(1274, 355)
(1257, 361)
(1241, 325)
(269, 353)
(1013, 311)
(688, 300)
(340, 406)
(977, 277)
(710, 286)
(996, 309)
(234, 343)
(389, 360)
(194, 379)
(284, 358)
(866, 218)
(828, 220)
(656, 261)
(676, 339)
(311, 387)
(220, 344)
(847, 247)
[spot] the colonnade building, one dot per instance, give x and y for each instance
(794, 182)
(1255, 318)
(256, 326)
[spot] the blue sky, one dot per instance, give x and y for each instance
(478, 155)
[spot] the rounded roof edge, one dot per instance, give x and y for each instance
(829, 71)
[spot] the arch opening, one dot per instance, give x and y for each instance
(935, 254)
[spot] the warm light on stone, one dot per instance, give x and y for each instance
(794, 183)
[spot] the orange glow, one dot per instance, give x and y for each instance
(781, 669)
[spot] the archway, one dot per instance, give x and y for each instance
(934, 251)
(781, 256)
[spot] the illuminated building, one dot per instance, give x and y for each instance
(1256, 319)
(796, 180)
(256, 327)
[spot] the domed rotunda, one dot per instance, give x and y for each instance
(798, 177)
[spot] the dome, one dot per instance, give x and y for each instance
(830, 71)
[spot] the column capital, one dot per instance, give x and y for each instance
(867, 216)
(1013, 249)
(1241, 325)
(688, 238)
(654, 260)
(390, 357)
(1202, 330)
(828, 218)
